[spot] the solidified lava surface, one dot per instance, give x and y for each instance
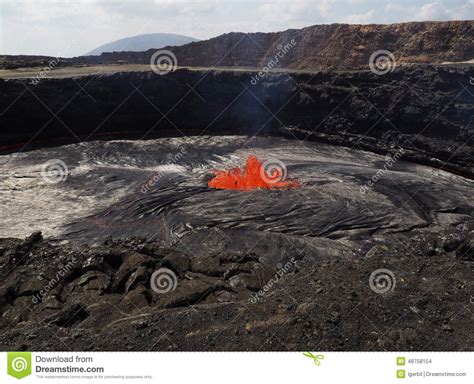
(262, 269)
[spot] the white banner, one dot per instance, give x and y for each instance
(237, 367)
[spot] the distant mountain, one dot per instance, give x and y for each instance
(142, 43)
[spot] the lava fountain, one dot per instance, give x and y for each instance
(270, 174)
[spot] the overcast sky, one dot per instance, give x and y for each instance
(70, 28)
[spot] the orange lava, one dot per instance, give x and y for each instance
(253, 176)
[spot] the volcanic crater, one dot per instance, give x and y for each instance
(375, 178)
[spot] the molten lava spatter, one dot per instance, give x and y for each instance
(268, 175)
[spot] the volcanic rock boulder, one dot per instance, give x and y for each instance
(231, 301)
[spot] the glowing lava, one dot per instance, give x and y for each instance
(269, 175)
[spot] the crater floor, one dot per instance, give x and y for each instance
(255, 270)
(158, 189)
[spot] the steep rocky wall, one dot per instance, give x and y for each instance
(427, 111)
(337, 46)
(334, 46)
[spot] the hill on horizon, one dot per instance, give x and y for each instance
(142, 43)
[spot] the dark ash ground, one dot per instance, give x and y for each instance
(105, 304)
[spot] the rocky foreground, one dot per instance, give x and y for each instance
(101, 297)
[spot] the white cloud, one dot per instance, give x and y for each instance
(361, 18)
(434, 11)
(279, 15)
(47, 26)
